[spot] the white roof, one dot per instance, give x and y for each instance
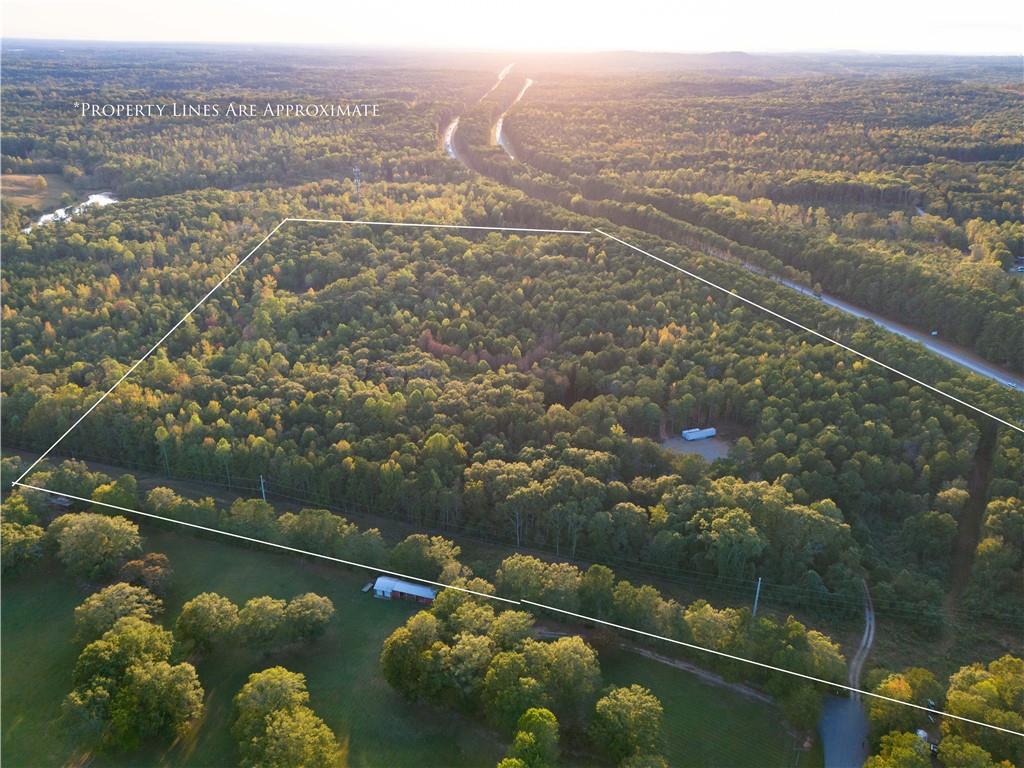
(391, 584)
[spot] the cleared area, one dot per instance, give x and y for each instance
(710, 448)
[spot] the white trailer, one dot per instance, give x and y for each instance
(698, 434)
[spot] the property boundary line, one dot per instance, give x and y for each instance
(781, 596)
(246, 258)
(769, 667)
(530, 230)
(273, 544)
(445, 226)
(606, 235)
(806, 329)
(581, 616)
(152, 349)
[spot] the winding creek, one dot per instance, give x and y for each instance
(98, 200)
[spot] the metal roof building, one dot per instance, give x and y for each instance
(391, 588)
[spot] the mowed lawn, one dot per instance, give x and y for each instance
(374, 724)
(704, 725)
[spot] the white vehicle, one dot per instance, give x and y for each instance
(698, 434)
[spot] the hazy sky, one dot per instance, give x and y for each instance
(954, 26)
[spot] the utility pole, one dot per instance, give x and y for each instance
(757, 596)
(263, 489)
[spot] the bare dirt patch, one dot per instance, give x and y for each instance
(711, 448)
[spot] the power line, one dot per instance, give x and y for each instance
(583, 617)
(738, 590)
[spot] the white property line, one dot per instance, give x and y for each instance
(445, 226)
(152, 349)
(580, 616)
(803, 327)
(530, 230)
(481, 594)
(730, 656)
(273, 544)
(249, 255)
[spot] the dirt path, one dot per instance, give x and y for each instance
(711, 678)
(968, 533)
(857, 663)
(844, 724)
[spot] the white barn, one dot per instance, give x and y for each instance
(391, 588)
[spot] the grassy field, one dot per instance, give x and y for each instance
(376, 726)
(703, 725)
(21, 189)
(706, 725)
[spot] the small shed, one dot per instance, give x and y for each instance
(698, 434)
(392, 588)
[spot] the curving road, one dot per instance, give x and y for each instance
(857, 665)
(448, 139)
(499, 137)
(948, 350)
(501, 76)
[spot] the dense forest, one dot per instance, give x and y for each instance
(45, 134)
(903, 199)
(511, 386)
(521, 389)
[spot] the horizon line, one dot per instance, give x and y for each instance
(385, 48)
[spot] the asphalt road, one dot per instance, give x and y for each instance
(844, 723)
(946, 349)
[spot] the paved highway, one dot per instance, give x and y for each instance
(939, 346)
